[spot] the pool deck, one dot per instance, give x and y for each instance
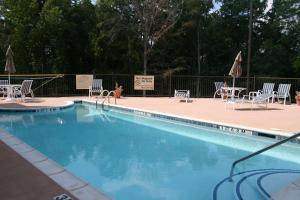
(20, 180)
(283, 119)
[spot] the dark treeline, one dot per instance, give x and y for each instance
(115, 36)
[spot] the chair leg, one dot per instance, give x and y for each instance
(215, 94)
(23, 97)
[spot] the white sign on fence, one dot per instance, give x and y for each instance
(83, 81)
(143, 82)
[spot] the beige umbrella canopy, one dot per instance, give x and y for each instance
(236, 69)
(9, 65)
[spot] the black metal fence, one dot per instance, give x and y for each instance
(54, 85)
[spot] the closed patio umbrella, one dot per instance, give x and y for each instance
(236, 69)
(9, 65)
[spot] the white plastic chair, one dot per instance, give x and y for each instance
(283, 92)
(261, 99)
(185, 94)
(3, 88)
(219, 90)
(96, 87)
(23, 90)
(268, 88)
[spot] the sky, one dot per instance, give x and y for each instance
(218, 5)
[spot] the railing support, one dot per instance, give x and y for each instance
(106, 97)
(259, 152)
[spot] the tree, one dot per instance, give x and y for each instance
(115, 44)
(280, 40)
(153, 19)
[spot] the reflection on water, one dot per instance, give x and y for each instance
(130, 161)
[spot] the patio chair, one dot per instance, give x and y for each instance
(283, 92)
(23, 90)
(3, 89)
(262, 98)
(185, 94)
(256, 100)
(267, 89)
(219, 90)
(96, 87)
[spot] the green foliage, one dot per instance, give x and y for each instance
(77, 36)
(296, 63)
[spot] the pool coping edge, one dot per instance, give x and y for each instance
(67, 104)
(230, 128)
(61, 176)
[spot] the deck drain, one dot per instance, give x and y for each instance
(62, 197)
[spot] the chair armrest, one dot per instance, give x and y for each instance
(245, 96)
(260, 92)
(16, 87)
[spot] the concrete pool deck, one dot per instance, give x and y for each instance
(22, 181)
(279, 118)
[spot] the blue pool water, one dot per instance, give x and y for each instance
(131, 157)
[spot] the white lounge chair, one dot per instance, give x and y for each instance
(283, 92)
(267, 89)
(185, 94)
(256, 100)
(261, 99)
(96, 87)
(23, 90)
(219, 90)
(3, 88)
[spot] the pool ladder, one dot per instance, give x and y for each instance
(259, 152)
(106, 97)
(250, 173)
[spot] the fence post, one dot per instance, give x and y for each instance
(170, 85)
(254, 84)
(56, 88)
(112, 79)
(198, 86)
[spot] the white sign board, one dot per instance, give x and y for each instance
(83, 81)
(143, 82)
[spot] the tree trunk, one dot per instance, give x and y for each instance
(198, 59)
(129, 68)
(145, 59)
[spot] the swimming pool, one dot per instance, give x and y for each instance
(132, 157)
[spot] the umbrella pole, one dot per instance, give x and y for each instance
(232, 93)
(8, 78)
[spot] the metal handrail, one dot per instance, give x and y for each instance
(260, 151)
(46, 82)
(106, 97)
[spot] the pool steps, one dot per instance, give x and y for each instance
(68, 181)
(253, 181)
